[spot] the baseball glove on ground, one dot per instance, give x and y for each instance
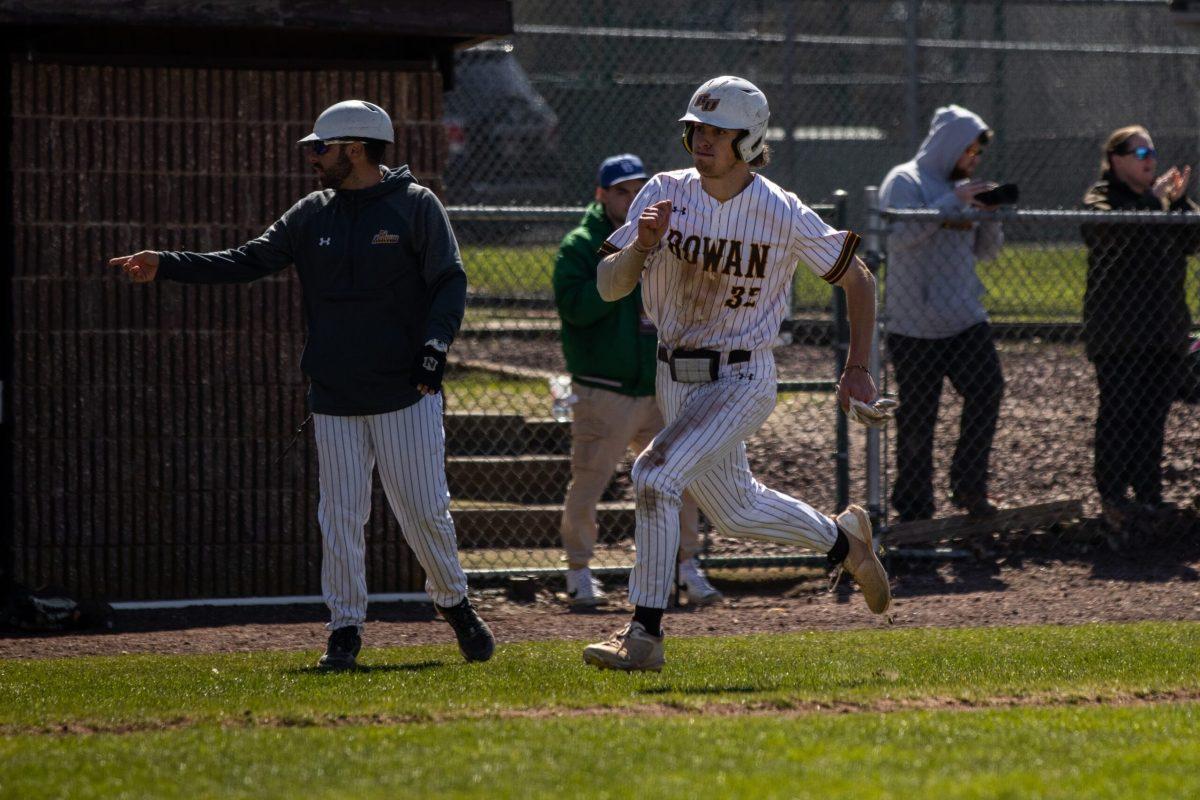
(873, 415)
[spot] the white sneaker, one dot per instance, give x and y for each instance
(862, 561)
(695, 585)
(583, 589)
(629, 649)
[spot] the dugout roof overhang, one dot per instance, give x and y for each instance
(282, 33)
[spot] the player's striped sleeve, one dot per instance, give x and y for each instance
(827, 252)
(623, 236)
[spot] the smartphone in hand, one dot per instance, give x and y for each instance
(1003, 195)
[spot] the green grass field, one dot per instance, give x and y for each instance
(477, 389)
(1027, 282)
(1088, 711)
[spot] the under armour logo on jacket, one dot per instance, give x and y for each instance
(325, 241)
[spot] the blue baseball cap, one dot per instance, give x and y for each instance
(616, 169)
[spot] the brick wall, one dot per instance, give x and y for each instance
(148, 419)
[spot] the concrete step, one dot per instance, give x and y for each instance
(476, 434)
(510, 525)
(547, 435)
(509, 479)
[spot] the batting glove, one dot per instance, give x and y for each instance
(430, 365)
(873, 415)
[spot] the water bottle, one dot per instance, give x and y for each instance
(562, 398)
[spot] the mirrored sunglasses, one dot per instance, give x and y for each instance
(1140, 153)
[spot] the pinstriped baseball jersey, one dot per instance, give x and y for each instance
(719, 277)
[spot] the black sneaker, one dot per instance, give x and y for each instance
(475, 639)
(342, 650)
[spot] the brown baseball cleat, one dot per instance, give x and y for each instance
(862, 562)
(629, 649)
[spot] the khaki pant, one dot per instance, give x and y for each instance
(604, 424)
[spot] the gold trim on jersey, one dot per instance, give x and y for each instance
(843, 260)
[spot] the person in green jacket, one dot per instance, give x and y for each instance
(611, 351)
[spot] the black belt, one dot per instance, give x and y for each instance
(735, 356)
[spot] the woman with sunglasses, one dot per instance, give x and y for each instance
(1135, 320)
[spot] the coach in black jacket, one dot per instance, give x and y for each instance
(384, 293)
(1135, 318)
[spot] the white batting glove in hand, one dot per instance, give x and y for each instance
(873, 415)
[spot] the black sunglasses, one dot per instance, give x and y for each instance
(320, 148)
(1140, 153)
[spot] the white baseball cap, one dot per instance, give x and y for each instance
(352, 119)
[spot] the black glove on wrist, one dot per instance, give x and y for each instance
(429, 368)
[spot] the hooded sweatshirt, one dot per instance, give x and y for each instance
(381, 275)
(932, 289)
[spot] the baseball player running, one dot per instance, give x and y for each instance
(381, 274)
(715, 248)
(610, 349)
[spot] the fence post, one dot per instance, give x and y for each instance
(912, 70)
(8, 506)
(841, 346)
(874, 258)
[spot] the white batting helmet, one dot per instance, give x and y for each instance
(733, 103)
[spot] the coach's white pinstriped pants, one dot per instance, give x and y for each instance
(702, 448)
(409, 446)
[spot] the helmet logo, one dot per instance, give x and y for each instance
(705, 102)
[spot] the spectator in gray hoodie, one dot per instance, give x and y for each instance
(936, 323)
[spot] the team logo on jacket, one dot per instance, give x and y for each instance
(383, 237)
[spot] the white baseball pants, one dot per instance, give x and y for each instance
(409, 447)
(703, 449)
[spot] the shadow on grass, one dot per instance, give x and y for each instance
(417, 666)
(704, 690)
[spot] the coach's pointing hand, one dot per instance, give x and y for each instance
(141, 267)
(652, 224)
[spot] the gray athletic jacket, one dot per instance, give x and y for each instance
(381, 275)
(932, 289)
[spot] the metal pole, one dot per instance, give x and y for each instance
(912, 68)
(999, 164)
(841, 347)
(874, 258)
(8, 511)
(787, 120)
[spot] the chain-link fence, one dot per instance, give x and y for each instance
(1081, 386)
(852, 88)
